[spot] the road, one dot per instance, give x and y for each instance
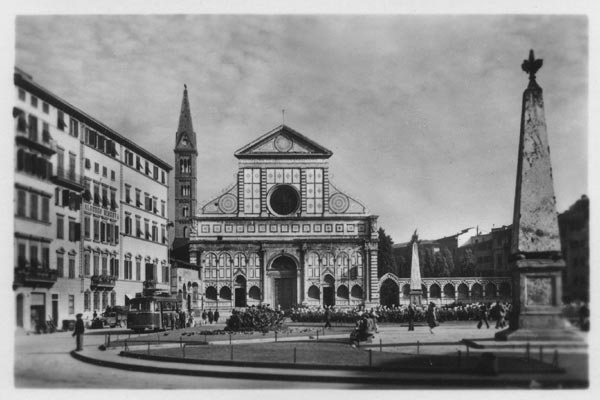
(43, 361)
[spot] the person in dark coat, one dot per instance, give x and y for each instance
(204, 317)
(483, 317)
(411, 317)
(431, 320)
(210, 316)
(216, 316)
(327, 317)
(500, 315)
(78, 333)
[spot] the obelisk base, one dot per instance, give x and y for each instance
(416, 296)
(537, 293)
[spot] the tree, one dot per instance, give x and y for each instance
(449, 261)
(440, 265)
(385, 256)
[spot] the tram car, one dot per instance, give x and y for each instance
(153, 310)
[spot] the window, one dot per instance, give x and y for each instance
(129, 158)
(60, 265)
(113, 199)
(155, 174)
(104, 197)
(60, 120)
(45, 107)
(128, 193)
(74, 231)
(86, 227)
(22, 94)
(127, 224)
(86, 301)
(21, 203)
(162, 176)
(138, 198)
(97, 199)
(165, 273)
(33, 206)
(60, 227)
(138, 270)
(113, 298)
(72, 162)
(45, 257)
(185, 190)
(138, 228)
(162, 208)
(86, 264)
(96, 264)
(128, 270)
(33, 128)
(116, 234)
(71, 268)
(104, 265)
(148, 202)
(109, 232)
(71, 304)
(104, 172)
(97, 168)
(34, 101)
(96, 301)
(96, 229)
(45, 209)
(185, 211)
(147, 229)
(74, 128)
(104, 300)
(102, 231)
(154, 233)
(45, 132)
(112, 175)
(138, 163)
(33, 255)
(163, 234)
(185, 165)
(88, 163)
(148, 171)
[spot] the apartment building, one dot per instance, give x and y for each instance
(76, 208)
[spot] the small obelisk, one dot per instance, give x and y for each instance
(416, 293)
(535, 249)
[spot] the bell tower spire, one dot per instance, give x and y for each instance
(186, 155)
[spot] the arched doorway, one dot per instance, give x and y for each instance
(389, 294)
(283, 278)
(240, 291)
(328, 291)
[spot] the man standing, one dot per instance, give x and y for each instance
(210, 316)
(78, 333)
(204, 317)
(482, 316)
(216, 316)
(411, 317)
(327, 317)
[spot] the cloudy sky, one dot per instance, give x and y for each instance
(422, 112)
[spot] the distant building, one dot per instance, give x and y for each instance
(90, 211)
(574, 236)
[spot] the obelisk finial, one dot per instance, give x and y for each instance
(531, 66)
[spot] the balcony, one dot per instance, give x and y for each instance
(47, 146)
(102, 282)
(68, 179)
(35, 277)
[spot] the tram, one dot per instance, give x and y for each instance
(154, 310)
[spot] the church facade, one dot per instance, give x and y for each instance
(283, 234)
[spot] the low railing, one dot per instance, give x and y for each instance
(103, 281)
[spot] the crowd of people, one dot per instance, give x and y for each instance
(497, 311)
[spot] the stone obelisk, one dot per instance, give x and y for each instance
(416, 293)
(535, 249)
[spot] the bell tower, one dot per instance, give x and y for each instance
(186, 155)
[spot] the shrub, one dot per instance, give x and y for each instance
(255, 319)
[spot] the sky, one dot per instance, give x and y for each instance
(422, 112)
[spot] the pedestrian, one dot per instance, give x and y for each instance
(210, 316)
(78, 333)
(204, 317)
(411, 317)
(500, 314)
(216, 316)
(327, 317)
(483, 317)
(431, 319)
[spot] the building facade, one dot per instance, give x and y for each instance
(76, 182)
(574, 225)
(283, 234)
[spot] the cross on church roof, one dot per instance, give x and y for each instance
(531, 66)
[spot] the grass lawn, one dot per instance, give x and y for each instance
(342, 355)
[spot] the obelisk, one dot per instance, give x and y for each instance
(536, 259)
(416, 293)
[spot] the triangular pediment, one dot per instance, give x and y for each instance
(283, 142)
(184, 142)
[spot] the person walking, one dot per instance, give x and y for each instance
(483, 316)
(210, 316)
(431, 319)
(204, 317)
(411, 317)
(327, 317)
(500, 314)
(78, 333)
(216, 316)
